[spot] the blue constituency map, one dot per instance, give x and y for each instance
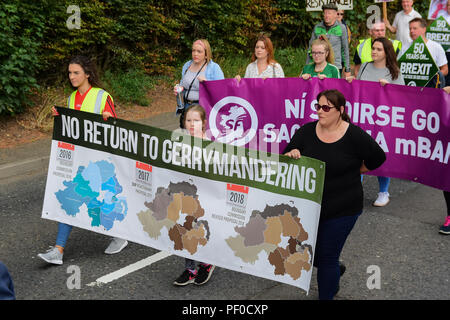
(97, 187)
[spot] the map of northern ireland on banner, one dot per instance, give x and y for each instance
(239, 209)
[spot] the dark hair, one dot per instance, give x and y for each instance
(422, 22)
(337, 99)
(391, 57)
(89, 68)
(330, 6)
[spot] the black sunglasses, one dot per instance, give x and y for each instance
(324, 107)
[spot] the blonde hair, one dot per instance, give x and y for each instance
(323, 40)
(205, 44)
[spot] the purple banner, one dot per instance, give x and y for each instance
(411, 124)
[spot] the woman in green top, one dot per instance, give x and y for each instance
(323, 57)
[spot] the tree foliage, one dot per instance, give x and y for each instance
(20, 39)
(154, 36)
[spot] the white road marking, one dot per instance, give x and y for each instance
(129, 269)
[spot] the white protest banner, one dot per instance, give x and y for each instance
(316, 5)
(437, 9)
(232, 207)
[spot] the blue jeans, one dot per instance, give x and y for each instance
(331, 238)
(63, 234)
(6, 284)
(383, 183)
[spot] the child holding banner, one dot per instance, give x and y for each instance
(195, 125)
(383, 68)
(347, 151)
(323, 59)
(88, 97)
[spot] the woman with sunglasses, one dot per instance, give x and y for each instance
(384, 69)
(340, 18)
(323, 59)
(347, 151)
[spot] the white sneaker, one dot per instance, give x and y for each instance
(382, 200)
(52, 256)
(116, 246)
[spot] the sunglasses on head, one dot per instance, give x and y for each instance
(324, 107)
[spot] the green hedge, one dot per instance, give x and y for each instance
(154, 36)
(21, 28)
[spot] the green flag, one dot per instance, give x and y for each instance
(417, 65)
(439, 31)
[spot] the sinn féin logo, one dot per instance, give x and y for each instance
(233, 120)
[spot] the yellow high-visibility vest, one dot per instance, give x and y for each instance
(364, 49)
(94, 101)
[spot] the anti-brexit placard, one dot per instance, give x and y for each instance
(417, 65)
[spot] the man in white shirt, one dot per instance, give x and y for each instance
(417, 28)
(400, 26)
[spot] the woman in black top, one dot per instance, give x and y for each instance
(347, 151)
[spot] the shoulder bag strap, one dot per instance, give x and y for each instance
(189, 90)
(363, 69)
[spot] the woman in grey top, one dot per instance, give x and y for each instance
(383, 68)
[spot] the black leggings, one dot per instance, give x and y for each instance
(447, 201)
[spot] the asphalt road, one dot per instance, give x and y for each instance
(393, 252)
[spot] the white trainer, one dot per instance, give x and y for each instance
(116, 246)
(52, 256)
(382, 200)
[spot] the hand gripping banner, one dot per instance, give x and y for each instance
(240, 209)
(411, 124)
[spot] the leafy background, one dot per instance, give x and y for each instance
(135, 42)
